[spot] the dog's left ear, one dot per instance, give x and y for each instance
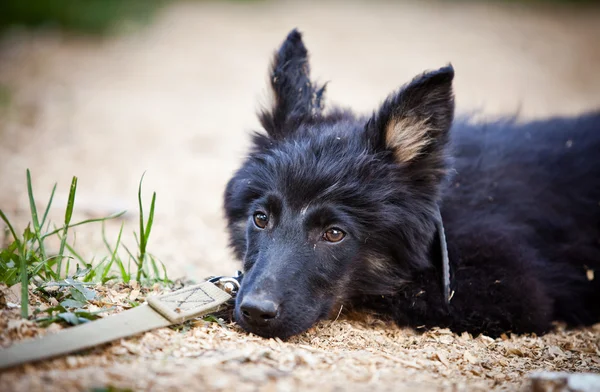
(415, 121)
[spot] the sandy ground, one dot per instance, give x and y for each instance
(177, 100)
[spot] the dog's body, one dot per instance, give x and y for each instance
(332, 209)
(522, 221)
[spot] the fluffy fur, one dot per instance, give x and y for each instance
(520, 205)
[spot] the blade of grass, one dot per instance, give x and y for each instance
(136, 259)
(11, 228)
(34, 217)
(22, 267)
(150, 219)
(131, 257)
(74, 253)
(42, 264)
(68, 266)
(144, 236)
(125, 276)
(155, 268)
(142, 245)
(166, 279)
(114, 257)
(48, 206)
(68, 215)
(96, 271)
(24, 283)
(129, 267)
(110, 262)
(94, 220)
(65, 284)
(9, 277)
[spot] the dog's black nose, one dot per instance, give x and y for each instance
(258, 311)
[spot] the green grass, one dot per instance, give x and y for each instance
(25, 260)
(82, 16)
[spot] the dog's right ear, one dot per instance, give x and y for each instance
(295, 96)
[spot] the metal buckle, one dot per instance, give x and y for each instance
(229, 284)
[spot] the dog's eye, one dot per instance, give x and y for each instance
(334, 235)
(261, 220)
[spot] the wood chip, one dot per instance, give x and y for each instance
(442, 358)
(470, 357)
(589, 274)
(555, 350)
(134, 294)
(514, 351)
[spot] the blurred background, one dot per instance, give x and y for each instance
(108, 89)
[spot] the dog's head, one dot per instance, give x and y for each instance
(329, 207)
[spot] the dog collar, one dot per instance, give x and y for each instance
(439, 224)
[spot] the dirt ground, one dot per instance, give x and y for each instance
(177, 99)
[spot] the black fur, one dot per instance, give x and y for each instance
(520, 205)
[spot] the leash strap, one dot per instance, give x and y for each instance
(161, 311)
(445, 258)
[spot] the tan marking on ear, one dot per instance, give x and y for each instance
(408, 137)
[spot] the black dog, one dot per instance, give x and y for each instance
(334, 209)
